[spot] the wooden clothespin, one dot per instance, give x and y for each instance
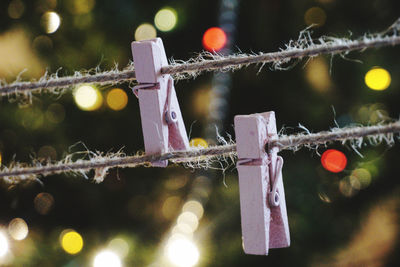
(162, 122)
(262, 196)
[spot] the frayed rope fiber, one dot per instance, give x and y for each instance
(304, 47)
(17, 172)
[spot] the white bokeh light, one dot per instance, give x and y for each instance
(107, 258)
(51, 22)
(182, 252)
(3, 244)
(88, 98)
(18, 229)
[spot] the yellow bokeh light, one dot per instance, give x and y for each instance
(3, 244)
(317, 74)
(378, 79)
(166, 19)
(88, 98)
(182, 252)
(170, 207)
(195, 207)
(117, 99)
(50, 22)
(315, 16)
(198, 142)
(71, 241)
(0, 158)
(201, 101)
(145, 31)
(107, 258)
(175, 182)
(78, 7)
(18, 229)
(363, 176)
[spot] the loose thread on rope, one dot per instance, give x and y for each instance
(304, 47)
(17, 173)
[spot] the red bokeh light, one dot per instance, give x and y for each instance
(214, 39)
(333, 160)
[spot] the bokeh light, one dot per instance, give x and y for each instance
(363, 176)
(88, 98)
(333, 160)
(194, 207)
(3, 244)
(377, 79)
(166, 19)
(83, 22)
(0, 158)
(201, 101)
(17, 55)
(188, 218)
(31, 118)
(348, 186)
(117, 99)
(371, 114)
(18, 229)
(55, 113)
(317, 74)
(176, 181)
(315, 16)
(43, 203)
(107, 258)
(16, 9)
(119, 246)
(78, 7)
(182, 229)
(182, 252)
(170, 207)
(50, 22)
(71, 241)
(198, 142)
(214, 39)
(42, 43)
(145, 31)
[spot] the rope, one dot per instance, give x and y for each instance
(379, 132)
(335, 46)
(18, 173)
(305, 46)
(54, 82)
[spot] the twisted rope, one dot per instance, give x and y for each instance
(101, 164)
(305, 46)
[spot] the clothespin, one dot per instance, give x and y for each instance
(262, 196)
(162, 122)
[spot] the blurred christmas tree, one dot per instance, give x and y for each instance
(176, 216)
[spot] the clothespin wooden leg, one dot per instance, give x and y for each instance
(262, 197)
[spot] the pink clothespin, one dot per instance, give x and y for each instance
(162, 122)
(262, 196)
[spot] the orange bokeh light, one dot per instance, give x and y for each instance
(214, 39)
(333, 160)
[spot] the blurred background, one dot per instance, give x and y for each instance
(343, 208)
